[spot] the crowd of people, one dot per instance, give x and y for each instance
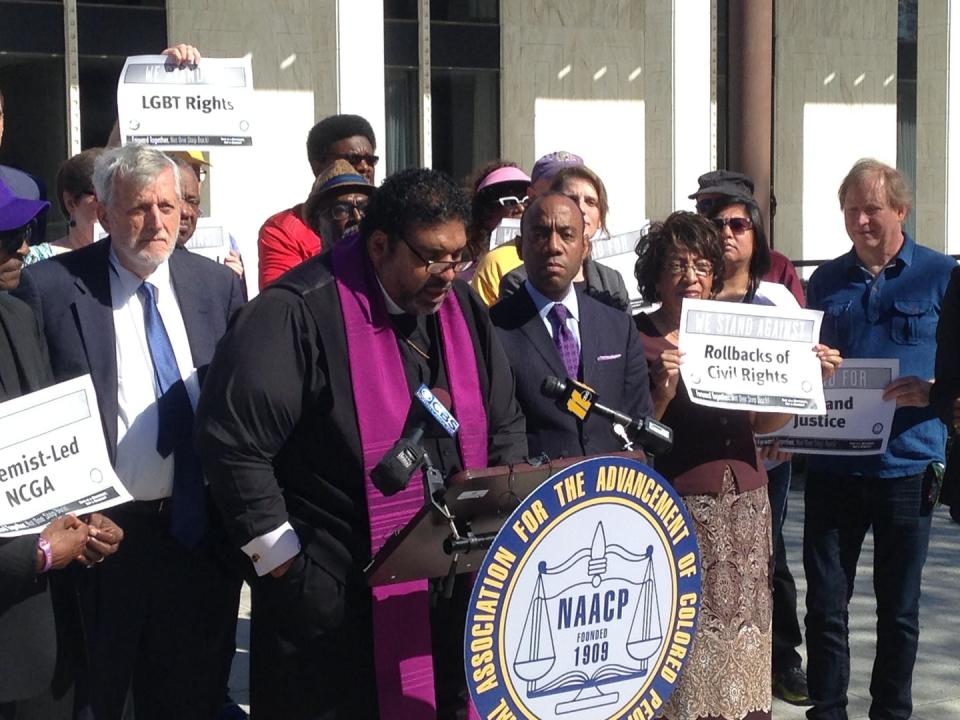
(246, 431)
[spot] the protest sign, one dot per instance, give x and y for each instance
(506, 232)
(211, 239)
(858, 419)
(53, 459)
(206, 106)
(751, 357)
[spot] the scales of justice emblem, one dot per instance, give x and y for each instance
(597, 610)
(587, 600)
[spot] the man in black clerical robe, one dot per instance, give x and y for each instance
(307, 390)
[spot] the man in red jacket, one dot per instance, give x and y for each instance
(286, 239)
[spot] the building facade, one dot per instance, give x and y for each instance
(637, 87)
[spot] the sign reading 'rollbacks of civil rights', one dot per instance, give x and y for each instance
(751, 357)
(858, 419)
(209, 105)
(53, 458)
(587, 603)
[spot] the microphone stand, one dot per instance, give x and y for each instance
(455, 545)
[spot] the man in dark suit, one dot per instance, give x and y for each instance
(549, 328)
(36, 652)
(310, 387)
(143, 319)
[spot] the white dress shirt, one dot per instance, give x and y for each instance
(145, 474)
(545, 304)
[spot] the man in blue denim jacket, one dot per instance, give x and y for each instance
(880, 300)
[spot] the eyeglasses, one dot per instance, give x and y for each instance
(438, 267)
(737, 225)
(344, 210)
(355, 158)
(512, 201)
(12, 240)
(701, 268)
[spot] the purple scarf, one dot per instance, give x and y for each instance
(401, 619)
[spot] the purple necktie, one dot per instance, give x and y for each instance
(566, 343)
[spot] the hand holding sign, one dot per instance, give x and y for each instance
(183, 54)
(67, 536)
(908, 391)
(104, 539)
(829, 360)
(666, 377)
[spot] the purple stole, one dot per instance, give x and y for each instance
(401, 619)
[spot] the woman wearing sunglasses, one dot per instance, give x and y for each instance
(499, 193)
(747, 258)
(746, 254)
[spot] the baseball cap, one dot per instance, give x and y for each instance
(552, 163)
(15, 211)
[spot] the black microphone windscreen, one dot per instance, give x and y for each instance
(553, 387)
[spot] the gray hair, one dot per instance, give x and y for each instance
(139, 164)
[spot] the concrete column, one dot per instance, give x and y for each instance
(750, 95)
(934, 44)
(360, 82)
(692, 116)
(679, 118)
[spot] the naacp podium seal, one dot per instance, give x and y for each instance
(586, 604)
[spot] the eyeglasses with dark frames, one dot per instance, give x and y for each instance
(344, 210)
(355, 158)
(438, 267)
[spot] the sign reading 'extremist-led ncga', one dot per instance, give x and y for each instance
(586, 605)
(751, 357)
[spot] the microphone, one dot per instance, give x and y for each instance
(396, 467)
(580, 401)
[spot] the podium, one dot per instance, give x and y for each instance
(453, 535)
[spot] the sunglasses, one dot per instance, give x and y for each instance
(12, 240)
(737, 225)
(701, 268)
(345, 210)
(512, 201)
(438, 267)
(355, 158)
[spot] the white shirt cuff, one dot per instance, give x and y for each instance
(273, 549)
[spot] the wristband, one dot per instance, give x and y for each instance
(44, 546)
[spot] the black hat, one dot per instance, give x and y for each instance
(725, 182)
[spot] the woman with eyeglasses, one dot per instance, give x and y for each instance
(747, 259)
(715, 468)
(78, 204)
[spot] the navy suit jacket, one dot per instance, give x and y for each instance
(70, 293)
(612, 363)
